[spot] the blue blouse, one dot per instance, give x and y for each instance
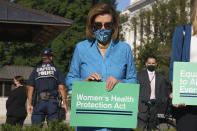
(87, 59)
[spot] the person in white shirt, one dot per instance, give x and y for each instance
(152, 87)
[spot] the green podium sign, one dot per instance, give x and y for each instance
(93, 106)
(185, 83)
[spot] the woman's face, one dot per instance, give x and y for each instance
(16, 82)
(103, 21)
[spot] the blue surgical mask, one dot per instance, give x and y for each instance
(102, 35)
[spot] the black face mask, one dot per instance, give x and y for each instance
(151, 68)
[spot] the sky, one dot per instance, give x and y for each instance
(122, 4)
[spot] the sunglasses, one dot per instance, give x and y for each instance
(99, 25)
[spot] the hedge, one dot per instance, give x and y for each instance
(53, 126)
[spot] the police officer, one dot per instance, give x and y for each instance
(44, 82)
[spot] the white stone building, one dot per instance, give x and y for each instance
(132, 37)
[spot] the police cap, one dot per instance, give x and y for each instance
(47, 52)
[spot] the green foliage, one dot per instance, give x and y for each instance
(151, 49)
(157, 25)
(122, 20)
(28, 54)
(53, 126)
(7, 127)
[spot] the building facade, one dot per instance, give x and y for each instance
(133, 35)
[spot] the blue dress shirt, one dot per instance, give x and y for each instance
(117, 62)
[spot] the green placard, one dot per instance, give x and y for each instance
(93, 106)
(185, 83)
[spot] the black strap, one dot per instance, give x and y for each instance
(46, 96)
(183, 42)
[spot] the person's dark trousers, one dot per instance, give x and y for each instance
(45, 109)
(61, 114)
(143, 118)
(15, 120)
(186, 118)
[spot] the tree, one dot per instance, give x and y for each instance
(122, 20)
(157, 25)
(29, 53)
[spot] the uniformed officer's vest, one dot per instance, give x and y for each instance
(46, 78)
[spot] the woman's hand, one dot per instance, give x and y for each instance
(111, 82)
(170, 95)
(30, 109)
(65, 108)
(94, 77)
(177, 105)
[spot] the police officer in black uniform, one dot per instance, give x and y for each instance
(44, 83)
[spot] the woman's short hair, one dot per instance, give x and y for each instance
(194, 17)
(20, 79)
(100, 9)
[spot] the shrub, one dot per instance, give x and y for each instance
(53, 126)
